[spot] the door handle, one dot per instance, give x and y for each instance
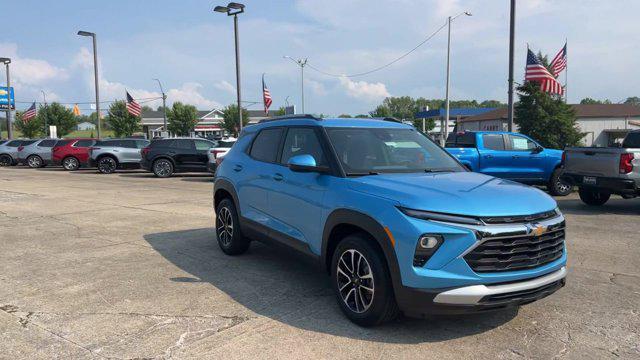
(488, 156)
(278, 177)
(237, 168)
(515, 156)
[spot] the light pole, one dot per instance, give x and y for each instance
(44, 98)
(512, 35)
(233, 9)
(95, 70)
(164, 105)
(301, 63)
(445, 130)
(6, 62)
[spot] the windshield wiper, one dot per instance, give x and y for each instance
(437, 170)
(363, 173)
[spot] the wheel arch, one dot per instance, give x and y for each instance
(166, 157)
(101, 156)
(343, 222)
(225, 189)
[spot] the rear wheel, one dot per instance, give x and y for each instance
(163, 168)
(362, 282)
(593, 197)
(230, 238)
(5, 160)
(556, 186)
(70, 163)
(107, 165)
(34, 161)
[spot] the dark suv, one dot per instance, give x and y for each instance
(164, 157)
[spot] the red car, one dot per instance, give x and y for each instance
(72, 153)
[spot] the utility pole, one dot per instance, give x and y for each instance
(512, 29)
(164, 105)
(6, 62)
(239, 95)
(301, 63)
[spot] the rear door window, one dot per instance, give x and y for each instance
(493, 141)
(28, 142)
(461, 140)
(266, 145)
(47, 143)
(183, 144)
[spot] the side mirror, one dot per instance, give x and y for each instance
(305, 163)
(538, 149)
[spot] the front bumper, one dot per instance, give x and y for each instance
(614, 185)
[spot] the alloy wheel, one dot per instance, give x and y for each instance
(162, 168)
(70, 163)
(225, 226)
(355, 281)
(107, 165)
(34, 161)
(562, 187)
(5, 160)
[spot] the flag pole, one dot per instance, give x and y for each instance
(566, 71)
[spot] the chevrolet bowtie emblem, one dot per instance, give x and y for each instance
(536, 229)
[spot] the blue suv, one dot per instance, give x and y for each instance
(398, 223)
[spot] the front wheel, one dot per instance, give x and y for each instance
(107, 165)
(163, 168)
(70, 164)
(593, 197)
(556, 186)
(362, 283)
(5, 160)
(230, 238)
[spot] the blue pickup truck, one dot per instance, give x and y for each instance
(510, 156)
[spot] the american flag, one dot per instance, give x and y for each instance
(559, 62)
(266, 96)
(537, 72)
(132, 106)
(30, 113)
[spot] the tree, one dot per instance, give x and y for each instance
(230, 119)
(31, 128)
(589, 100)
(633, 100)
(546, 118)
(344, 116)
(60, 116)
(182, 119)
(280, 112)
(146, 108)
(361, 116)
(121, 121)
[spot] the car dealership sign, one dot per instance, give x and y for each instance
(7, 98)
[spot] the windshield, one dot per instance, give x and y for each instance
(369, 151)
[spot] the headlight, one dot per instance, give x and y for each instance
(428, 215)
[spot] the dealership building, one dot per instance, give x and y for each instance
(603, 124)
(209, 122)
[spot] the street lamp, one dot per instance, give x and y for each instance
(6, 62)
(233, 9)
(164, 104)
(95, 70)
(445, 130)
(301, 63)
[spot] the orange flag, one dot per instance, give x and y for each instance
(76, 110)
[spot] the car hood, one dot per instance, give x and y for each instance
(464, 193)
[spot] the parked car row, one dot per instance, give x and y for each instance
(163, 157)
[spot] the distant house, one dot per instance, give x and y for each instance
(603, 124)
(83, 126)
(209, 122)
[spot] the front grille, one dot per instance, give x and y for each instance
(520, 219)
(517, 252)
(523, 296)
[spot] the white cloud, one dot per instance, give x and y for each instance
(225, 86)
(363, 90)
(30, 71)
(316, 87)
(189, 93)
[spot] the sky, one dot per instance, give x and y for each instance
(190, 49)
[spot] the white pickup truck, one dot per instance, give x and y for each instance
(600, 172)
(218, 152)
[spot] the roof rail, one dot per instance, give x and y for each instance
(290, 117)
(392, 119)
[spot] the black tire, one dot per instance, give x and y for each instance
(163, 168)
(70, 163)
(593, 197)
(35, 161)
(107, 165)
(228, 233)
(6, 160)
(556, 186)
(354, 279)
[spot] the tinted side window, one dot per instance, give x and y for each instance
(63, 142)
(493, 141)
(632, 140)
(129, 144)
(302, 141)
(14, 143)
(461, 140)
(183, 144)
(161, 143)
(520, 143)
(265, 145)
(47, 143)
(204, 145)
(28, 142)
(83, 143)
(142, 143)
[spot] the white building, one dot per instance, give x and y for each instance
(85, 126)
(603, 124)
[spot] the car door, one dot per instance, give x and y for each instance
(295, 198)
(528, 163)
(494, 159)
(183, 153)
(81, 149)
(202, 151)
(255, 175)
(127, 150)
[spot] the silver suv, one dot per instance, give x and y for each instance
(9, 152)
(36, 154)
(109, 155)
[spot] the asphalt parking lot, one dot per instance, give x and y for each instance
(126, 266)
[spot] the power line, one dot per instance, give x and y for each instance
(385, 65)
(148, 99)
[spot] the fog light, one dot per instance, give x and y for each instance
(425, 248)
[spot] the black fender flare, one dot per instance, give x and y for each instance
(368, 224)
(226, 185)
